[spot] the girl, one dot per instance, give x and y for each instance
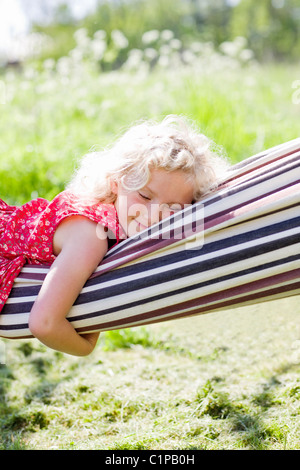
(154, 169)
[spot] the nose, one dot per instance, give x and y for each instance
(152, 214)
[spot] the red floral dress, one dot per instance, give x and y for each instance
(26, 232)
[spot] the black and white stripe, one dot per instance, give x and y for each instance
(246, 250)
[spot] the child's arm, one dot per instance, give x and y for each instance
(81, 250)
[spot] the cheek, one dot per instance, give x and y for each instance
(134, 206)
(136, 210)
(130, 206)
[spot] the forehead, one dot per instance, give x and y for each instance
(170, 186)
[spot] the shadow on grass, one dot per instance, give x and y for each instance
(257, 430)
(16, 417)
(247, 420)
(250, 419)
(10, 418)
(252, 432)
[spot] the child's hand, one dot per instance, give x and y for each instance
(81, 250)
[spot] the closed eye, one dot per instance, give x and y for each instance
(143, 196)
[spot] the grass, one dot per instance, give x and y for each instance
(49, 121)
(228, 380)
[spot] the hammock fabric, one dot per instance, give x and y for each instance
(238, 246)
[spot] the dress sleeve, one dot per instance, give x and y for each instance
(67, 204)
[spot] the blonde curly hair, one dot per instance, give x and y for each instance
(173, 144)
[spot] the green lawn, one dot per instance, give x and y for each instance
(228, 380)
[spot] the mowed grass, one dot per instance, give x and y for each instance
(227, 380)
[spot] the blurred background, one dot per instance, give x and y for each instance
(271, 27)
(75, 74)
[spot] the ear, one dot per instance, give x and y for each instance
(114, 186)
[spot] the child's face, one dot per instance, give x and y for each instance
(165, 193)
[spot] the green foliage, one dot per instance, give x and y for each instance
(215, 404)
(52, 117)
(130, 18)
(273, 31)
(271, 27)
(135, 17)
(128, 337)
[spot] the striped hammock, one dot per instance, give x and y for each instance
(238, 246)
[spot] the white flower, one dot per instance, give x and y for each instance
(100, 35)
(119, 39)
(49, 64)
(196, 47)
(63, 66)
(164, 61)
(135, 58)
(240, 42)
(246, 55)
(175, 44)
(81, 36)
(188, 56)
(150, 53)
(150, 36)
(76, 54)
(228, 48)
(165, 49)
(167, 35)
(233, 48)
(98, 47)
